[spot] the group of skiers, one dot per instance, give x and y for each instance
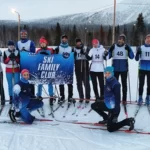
(23, 95)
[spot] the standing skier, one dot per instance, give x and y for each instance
(1, 82)
(111, 104)
(97, 54)
(12, 59)
(65, 50)
(23, 100)
(44, 50)
(119, 53)
(26, 45)
(143, 56)
(82, 70)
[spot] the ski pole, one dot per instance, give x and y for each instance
(129, 86)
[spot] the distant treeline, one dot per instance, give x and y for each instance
(135, 32)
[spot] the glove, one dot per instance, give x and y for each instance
(44, 53)
(127, 47)
(12, 56)
(39, 98)
(105, 53)
(17, 89)
(139, 52)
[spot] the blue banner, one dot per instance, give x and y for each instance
(45, 69)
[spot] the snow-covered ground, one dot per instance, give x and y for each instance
(45, 136)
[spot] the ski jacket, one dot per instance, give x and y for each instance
(26, 45)
(144, 57)
(120, 55)
(12, 66)
(81, 63)
(112, 94)
(97, 57)
(65, 50)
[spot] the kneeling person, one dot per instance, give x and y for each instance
(23, 100)
(111, 104)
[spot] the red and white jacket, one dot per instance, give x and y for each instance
(12, 66)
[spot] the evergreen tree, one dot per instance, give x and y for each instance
(109, 36)
(58, 34)
(102, 35)
(140, 28)
(73, 35)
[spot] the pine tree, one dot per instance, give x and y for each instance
(58, 34)
(140, 28)
(102, 35)
(109, 36)
(73, 35)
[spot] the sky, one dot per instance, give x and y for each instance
(37, 9)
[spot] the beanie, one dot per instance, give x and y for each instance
(109, 69)
(23, 71)
(122, 36)
(78, 40)
(43, 40)
(11, 43)
(95, 41)
(64, 36)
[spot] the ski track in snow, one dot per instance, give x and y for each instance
(66, 136)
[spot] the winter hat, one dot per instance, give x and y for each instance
(148, 35)
(122, 36)
(109, 69)
(11, 43)
(43, 40)
(64, 36)
(78, 40)
(95, 41)
(23, 71)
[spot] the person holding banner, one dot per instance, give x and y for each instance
(97, 54)
(64, 49)
(44, 50)
(1, 82)
(82, 70)
(12, 59)
(26, 45)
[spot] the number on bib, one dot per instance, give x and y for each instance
(120, 53)
(97, 56)
(147, 54)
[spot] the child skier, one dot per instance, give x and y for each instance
(12, 59)
(143, 55)
(111, 104)
(44, 50)
(23, 100)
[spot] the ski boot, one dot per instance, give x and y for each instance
(147, 100)
(13, 114)
(71, 100)
(51, 100)
(103, 122)
(140, 100)
(130, 123)
(61, 100)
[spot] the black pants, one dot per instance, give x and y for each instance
(70, 90)
(32, 89)
(83, 77)
(100, 76)
(142, 74)
(2, 89)
(100, 107)
(124, 83)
